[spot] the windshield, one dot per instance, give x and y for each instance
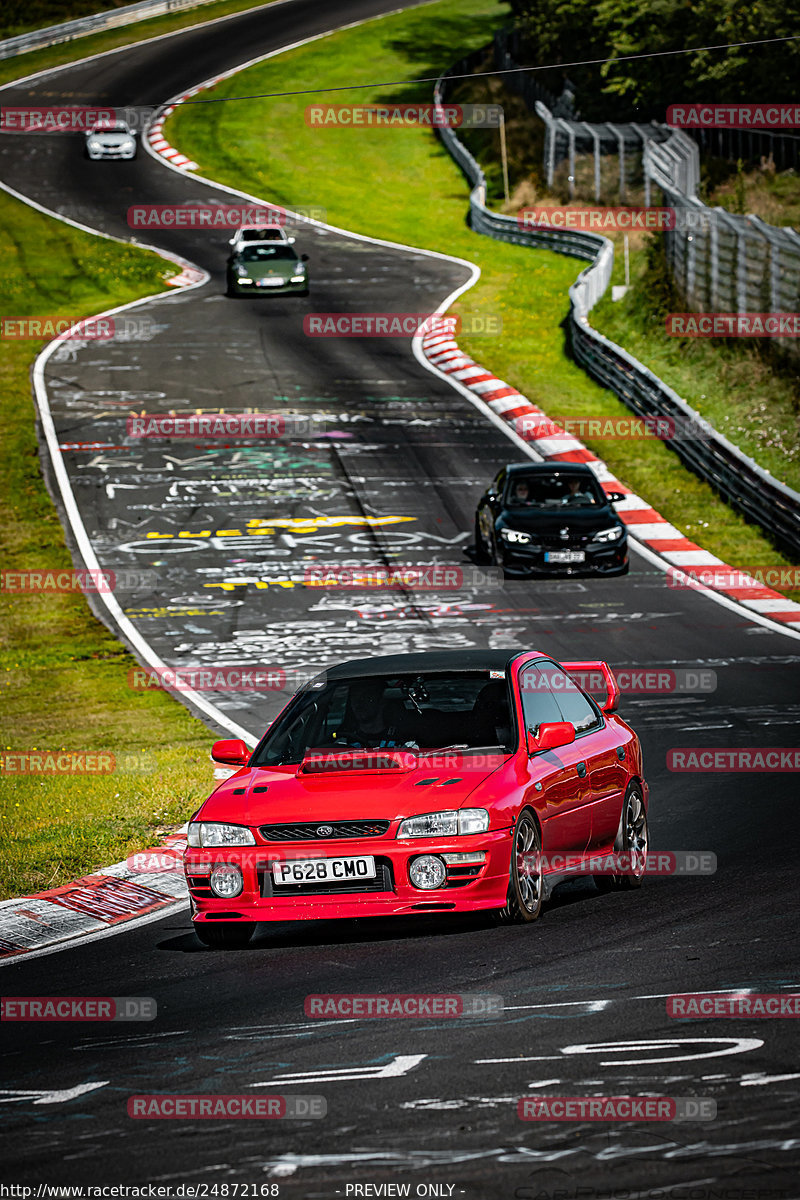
(265, 253)
(110, 127)
(465, 711)
(553, 491)
(267, 234)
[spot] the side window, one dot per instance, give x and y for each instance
(572, 703)
(538, 702)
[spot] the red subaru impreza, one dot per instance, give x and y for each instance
(420, 783)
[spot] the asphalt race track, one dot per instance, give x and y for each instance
(390, 472)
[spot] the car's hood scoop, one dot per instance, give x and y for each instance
(321, 762)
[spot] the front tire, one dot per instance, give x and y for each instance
(228, 935)
(482, 555)
(633, 839)
(524, 899)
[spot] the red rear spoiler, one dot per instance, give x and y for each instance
(597, 668)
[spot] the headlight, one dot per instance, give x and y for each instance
(298, 279)
(609, 535)
(226, 881)
(211, 833)
(445, 824)
(94, 145)
(514, 535)
(428, 871)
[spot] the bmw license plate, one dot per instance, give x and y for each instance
(565, 556)
(324, 870)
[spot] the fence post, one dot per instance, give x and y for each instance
(570, 132)
(549, 141)
(595, 136)
(621, 144)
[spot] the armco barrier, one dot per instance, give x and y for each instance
(54, 35)
(738, 479)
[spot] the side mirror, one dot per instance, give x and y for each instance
(549, 735)
(303, 258)
(233, 752)
(615, 497)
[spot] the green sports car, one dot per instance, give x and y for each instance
(261, 267)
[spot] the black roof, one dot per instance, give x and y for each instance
(550, 468)
(434, 660)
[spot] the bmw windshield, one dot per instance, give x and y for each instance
(553, 492)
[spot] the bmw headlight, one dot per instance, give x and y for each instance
(515, 536)
(94, 144)
(612, 534)
(445, 824)
(213, 833)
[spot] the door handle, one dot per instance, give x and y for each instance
(581, 769)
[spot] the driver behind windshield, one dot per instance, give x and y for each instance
(578, 493)
(551, 491)
(365, 722)
(522, 493)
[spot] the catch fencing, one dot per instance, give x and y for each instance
(738, 479)
(720, 261)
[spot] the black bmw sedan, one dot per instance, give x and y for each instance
(550, 519)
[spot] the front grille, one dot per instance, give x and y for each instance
(383, 882)
(308, 831)
(552, 541)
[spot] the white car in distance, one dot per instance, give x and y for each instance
(110, 139)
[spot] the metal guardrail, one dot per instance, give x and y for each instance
(54, 35)
(740, 481)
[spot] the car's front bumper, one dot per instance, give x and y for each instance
(125, 153)
(255, 289)
(465, 890)
(603, 559)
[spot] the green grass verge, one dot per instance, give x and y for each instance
(23, 65)
(402, 185)
(63, 677)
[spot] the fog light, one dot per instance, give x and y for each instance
(427, 871)
(226, 881)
